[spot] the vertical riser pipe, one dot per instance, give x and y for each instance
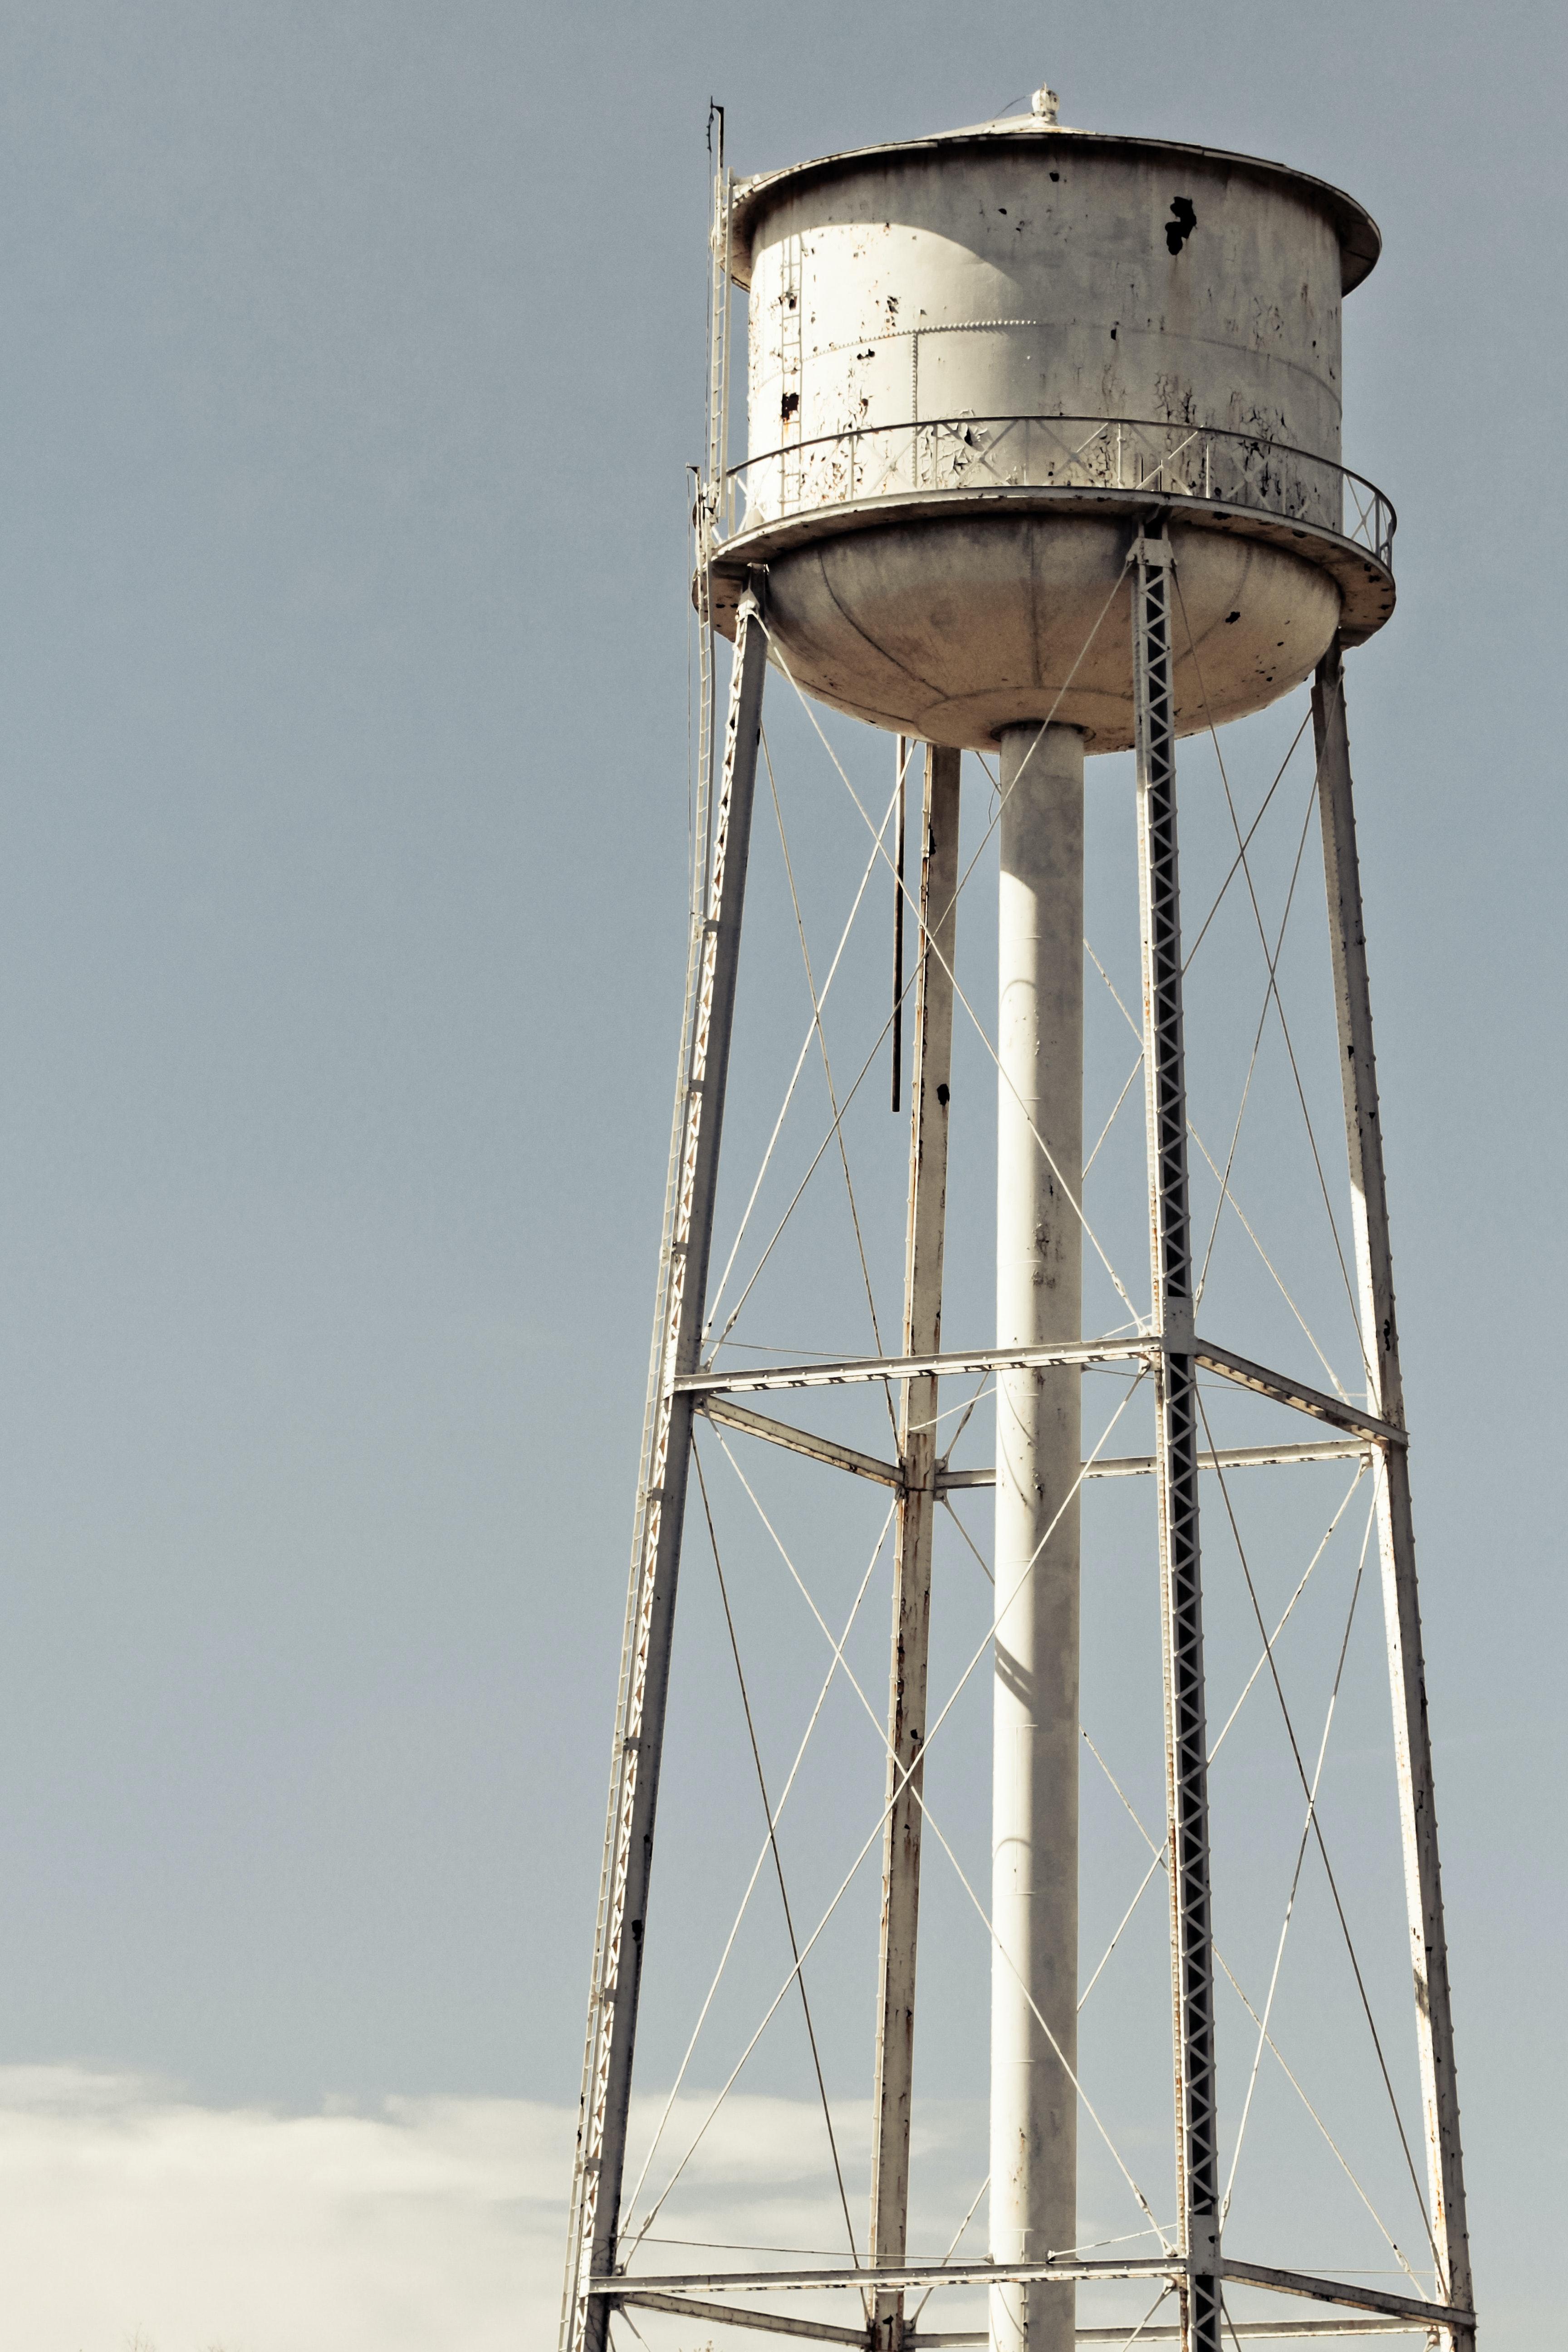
(1039, 1288)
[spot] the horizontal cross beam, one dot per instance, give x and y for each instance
(1258, 2330)
(893, 2274)
(1223, 1457)
(849, 1370)
(930, 2274)
(768, 2323)
(721, 1410)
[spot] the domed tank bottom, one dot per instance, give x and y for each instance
(953, 627)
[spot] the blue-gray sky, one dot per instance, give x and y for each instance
(352, 360)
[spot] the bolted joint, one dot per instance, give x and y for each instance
(1177, 1328)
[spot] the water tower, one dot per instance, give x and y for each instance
(1043, 463)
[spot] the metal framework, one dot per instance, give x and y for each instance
(917, 1487)
(1169, 1349)
(661, 1509)
(1176, 1451)
(1396, 1538)
(1084, 453)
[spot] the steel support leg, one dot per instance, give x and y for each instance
(917, 1511)
(1385, 1396)
(1176, 1452)
(1039, 1302)
(644, 1666)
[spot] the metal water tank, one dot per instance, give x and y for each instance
(979, 361)
(1033, 415)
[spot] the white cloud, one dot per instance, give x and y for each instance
(434, 2223)
(429, 2225)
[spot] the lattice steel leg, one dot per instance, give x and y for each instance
(644, 1666)
(1402, 1609)
(1176, 1451)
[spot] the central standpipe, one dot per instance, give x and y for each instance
(1039, 1293)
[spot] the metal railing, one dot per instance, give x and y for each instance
(969, 453)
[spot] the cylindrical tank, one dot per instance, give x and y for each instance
(977, 361)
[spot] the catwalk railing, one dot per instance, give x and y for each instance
(1200, 463)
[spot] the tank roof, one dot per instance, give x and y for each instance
(1360, 239)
